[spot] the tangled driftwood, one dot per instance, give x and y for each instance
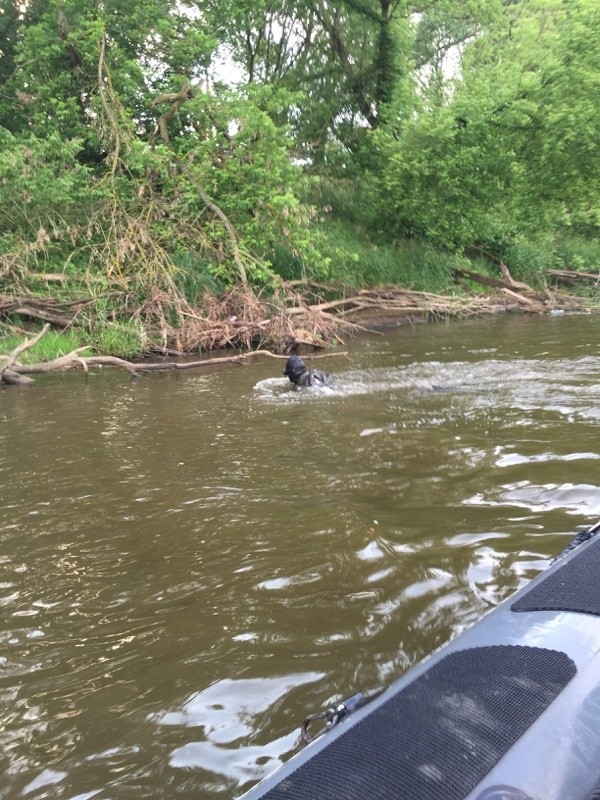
(47, 309)
(12, 371)
(296, 313)
(299, 313)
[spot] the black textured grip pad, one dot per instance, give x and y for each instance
(595, 795)
(436, 738)
(573, 587)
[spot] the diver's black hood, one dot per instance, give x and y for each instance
(294, 368)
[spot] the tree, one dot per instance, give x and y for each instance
(350, 65)
(513, 147)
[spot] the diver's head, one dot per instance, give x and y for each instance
(294, 368)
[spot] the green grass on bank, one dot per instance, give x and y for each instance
(122, 340)
(357, 251)
(354, 252)
(531, 259)
(353, 258)
(356, 258)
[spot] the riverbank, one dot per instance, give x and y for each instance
(298, 316)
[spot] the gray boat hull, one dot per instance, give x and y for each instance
(557, 756)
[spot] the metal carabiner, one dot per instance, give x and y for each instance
(331, 716)
(336, 713)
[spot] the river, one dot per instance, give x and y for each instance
(191, 562)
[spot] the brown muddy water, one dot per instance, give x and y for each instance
(191, 562)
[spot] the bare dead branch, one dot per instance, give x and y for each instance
(26, 345)
(509, 281)
(237, 359)
(241, 319)
(72, 360)
(533, 305)
(572, 277)
(13, 372)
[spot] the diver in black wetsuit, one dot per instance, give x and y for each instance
(300, 376)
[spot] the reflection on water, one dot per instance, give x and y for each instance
(567, 496)
(225, 709)
(228, 712)
(191, 563)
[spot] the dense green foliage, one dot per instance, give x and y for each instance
(160, 149)
(516, 149)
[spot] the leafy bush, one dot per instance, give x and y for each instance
(530, 259)
(47, 197)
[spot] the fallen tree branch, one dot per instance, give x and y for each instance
(237, 359)
(512, 283)
(242, 320)
(572, 277)
(477, 277)
(509, 281)
(72, 360)
(534, 305)
(12, 372)
(42, 314)
(49, 277)
(13, 378)
(218, 211)
(56, 312)
(12, 357)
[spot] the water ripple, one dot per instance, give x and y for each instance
(191, 564)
